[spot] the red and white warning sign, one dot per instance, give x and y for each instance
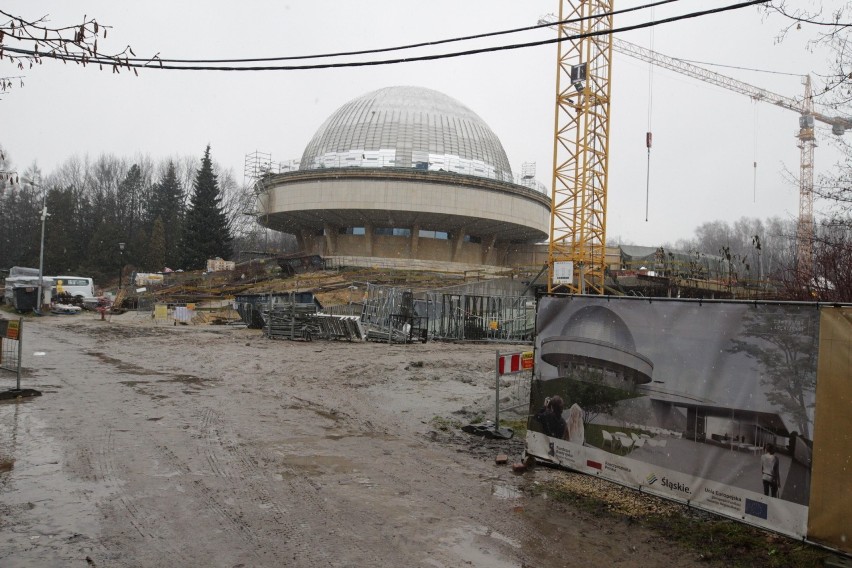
(509, 363)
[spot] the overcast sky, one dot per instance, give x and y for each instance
(705, 138)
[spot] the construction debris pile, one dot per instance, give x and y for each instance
(302, 300)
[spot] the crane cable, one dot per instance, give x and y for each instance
(648, 135)
(754, 154)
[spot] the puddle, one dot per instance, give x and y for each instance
(506, 492)
(369, 435)
(191, 380)
(127, 368)
(326, 414)
(45, 499)
(319, 465)
(478, 546)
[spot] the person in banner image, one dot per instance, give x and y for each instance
(769, 467)
(576, 429)
(550, 417)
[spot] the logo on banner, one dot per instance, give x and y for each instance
(676, 486)
(594, 464)
(756, 509)
(651, 479)
(611, 466)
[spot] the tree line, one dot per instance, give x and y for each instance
(178, 212)
(173, 213)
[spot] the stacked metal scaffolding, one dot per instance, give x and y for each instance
(389, 315)
(443, 315)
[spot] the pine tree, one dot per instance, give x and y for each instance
(206, 232)
(167, 205)
(156, 247)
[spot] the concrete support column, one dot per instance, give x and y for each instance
(458, 241)
(331, 232)
(488, 246)
(368, 238)
(415, 240)
(306, 239)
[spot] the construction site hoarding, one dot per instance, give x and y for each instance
(731, 407)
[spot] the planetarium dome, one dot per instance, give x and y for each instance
(410, 176)
(408, 127)
(601, 324)
(595, 337)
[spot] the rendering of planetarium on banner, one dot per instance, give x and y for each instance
(408, 176)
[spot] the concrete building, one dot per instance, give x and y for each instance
(407, 174)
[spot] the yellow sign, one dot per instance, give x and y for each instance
(527, 360)
(13, 330)
(161, 311)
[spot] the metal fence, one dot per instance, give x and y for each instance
(11, 348)
(478, 317)
(448, 315)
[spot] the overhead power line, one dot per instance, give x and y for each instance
(413, 45)
(149, 64)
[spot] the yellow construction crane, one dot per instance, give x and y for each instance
(578, 215)
(577, 250)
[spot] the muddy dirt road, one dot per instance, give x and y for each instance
(211, 446)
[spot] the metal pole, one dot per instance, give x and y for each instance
(269, 317)
(20, 351)
(41, 255)
(497, 391)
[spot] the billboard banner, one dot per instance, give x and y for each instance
(707, 403)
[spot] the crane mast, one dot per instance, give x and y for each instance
(577, 249)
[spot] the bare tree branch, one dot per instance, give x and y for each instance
(26, 43)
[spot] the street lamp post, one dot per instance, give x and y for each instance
(44, 215)
(120, 265)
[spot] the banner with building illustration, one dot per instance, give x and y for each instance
(689, 400)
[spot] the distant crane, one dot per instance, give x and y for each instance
(805, 136)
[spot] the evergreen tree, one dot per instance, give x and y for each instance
(128, 200)
(156, 247)
(206, 231)
(62, 250)
(167, 204)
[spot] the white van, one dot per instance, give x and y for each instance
(77, 287)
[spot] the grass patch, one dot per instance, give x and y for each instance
(519, 427)
(710, 537)
(444, 424)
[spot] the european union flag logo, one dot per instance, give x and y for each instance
(756, 509)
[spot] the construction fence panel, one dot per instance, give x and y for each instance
(11, 347)
(477, 317)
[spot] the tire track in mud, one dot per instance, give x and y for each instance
(469, 510)
(105, 471)
(139, 518)
(300, 534)
(102, 464)
(238, 464)
(229, 520)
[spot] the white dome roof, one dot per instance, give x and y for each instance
(408, 127)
